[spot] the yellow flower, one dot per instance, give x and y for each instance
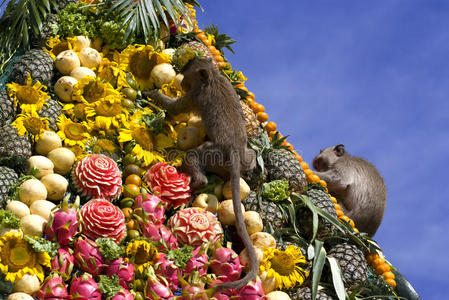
(56, 45)
(109, 71)
(18, 258)
(142, 253)
(106, 113)
(102, 145)
(147, 147)
(139, 60)
(171, 90)
(76, 111)
(90, 89)
(284, 266)
(29, 95)
(78, 151)
(72, 133)
(31, 123)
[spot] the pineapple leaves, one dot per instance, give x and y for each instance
(337, 278)
(318, 264)
(144, 17)
(221, 39)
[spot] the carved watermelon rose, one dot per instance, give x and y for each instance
(173, 187)
(97, 176)
(194, 226)
(101, 218)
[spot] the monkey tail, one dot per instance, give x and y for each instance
(241, 227)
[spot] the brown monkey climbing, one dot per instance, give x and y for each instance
(357, 185)
(212, 96)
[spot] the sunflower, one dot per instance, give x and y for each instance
(78, 151)
(171, 90)
(106, 113)
(76, 111)
(90, 89)
(102, 145)
(56, 45)
(29, 95)
(147, 146)
(284, 266)
(31, 123)
(72, 133)
(142, 253)
(109, 71)
(18, 258)
(139, 60)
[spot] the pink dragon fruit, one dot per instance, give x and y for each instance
(160, 234)
(252, 291)
(123, 269)
(224, 294)
(157, 286)
(53, 288)
(84, 288)
(194, 288)
(199, 261)
(63, 223)
(168, 269)
(150, 207)
(226, 265)
(63, 262)
(88, 257)
(124, 294)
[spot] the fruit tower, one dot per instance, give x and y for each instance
(93, 202)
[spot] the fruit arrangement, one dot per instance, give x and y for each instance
(93, 202)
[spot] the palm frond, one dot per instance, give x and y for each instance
(221, 39)
(18, 20)
(144, 17)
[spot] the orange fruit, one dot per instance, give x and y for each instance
(308, 172)
(340, 213)
(383, 268)
(202, 36)
(356, 230)
(131, 224)
(133, 179)
(388, 275)
(345, 218)
(298, 157)
(351, 223)
(271, 133)
(370, 257)
(314, 178)
(250, 96)
(391, 282)
(378, 261)
(258, 108)
(271, 126)
(207, 42)
(333, 199)
(262, 117)
(219, 58)
(289, 146)
(304, 165)
(337, 207)
(222, 64)
(131, 190)
(323, 183)
(253, 105)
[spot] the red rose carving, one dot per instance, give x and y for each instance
(101, 218)
(98, 176)
(173, 187)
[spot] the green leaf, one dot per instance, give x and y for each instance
(181, 256)
(36, 18)
(154, 121)
(42, 245)
(8, 219)
(318, 264)
(109, 286)
(337, 278)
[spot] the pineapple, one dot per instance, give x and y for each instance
(7, 110)
(269, 211)
(305, 293)
(352, 263)
(282, 164)
(52, 110)
(8, 177)
(254, 177)
(38, 64)
(14, 149)
(321, 200)
(252, 124)
(49, 29)
(198, 46)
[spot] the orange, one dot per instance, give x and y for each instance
(337, 207)
(304, 165)
(323, 183)
(131, 190)
(333, 199)
(388, 275)
(314, 178)
(207, 42)
(127, 211)
(289, 146)
(308, 172)
(370, 257)
(344, 218)
(298, 157)
(259, 108)
(271, 126)
(250, 96)
(391, 282)
(253, 104)
(131, 224)
(383, 268)
(202, 36)
(222, 64)
(133, 179)
(262, 117)
(271, 133)
(378, 261)
(340, 213)
(351, 223)
(219, 58)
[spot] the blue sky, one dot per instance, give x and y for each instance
(374, 76)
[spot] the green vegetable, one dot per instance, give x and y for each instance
(181, 256)
(109, 286)
(109, 249)
(75, 20)
(42, 245)
(276, 190)
(9, 219)
(154, 121)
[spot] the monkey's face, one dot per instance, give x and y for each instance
(196, 72)
(328, 157)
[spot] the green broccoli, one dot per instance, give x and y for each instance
(276, 190)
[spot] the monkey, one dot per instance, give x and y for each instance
(212, 96)
(357, 185)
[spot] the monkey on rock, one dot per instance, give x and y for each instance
(212, 96)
